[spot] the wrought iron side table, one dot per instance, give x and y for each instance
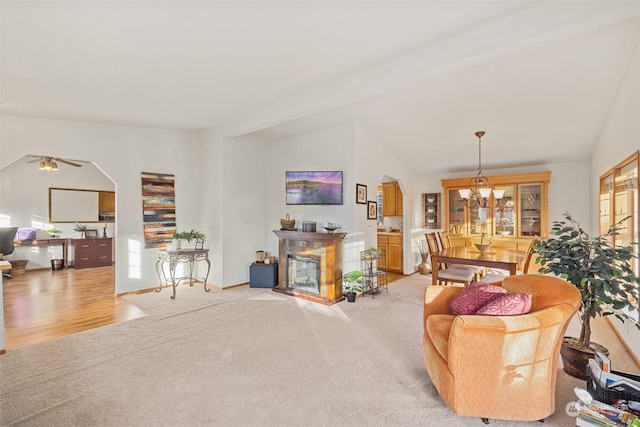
(182, 256)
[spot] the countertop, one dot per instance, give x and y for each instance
(390, 233)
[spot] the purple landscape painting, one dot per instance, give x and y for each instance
(314, 188)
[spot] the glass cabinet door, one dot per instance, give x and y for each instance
(530, 209)
(504, 212)
(456, 213)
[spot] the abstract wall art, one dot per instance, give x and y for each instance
(158, 209)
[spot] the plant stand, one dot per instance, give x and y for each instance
(373, 279)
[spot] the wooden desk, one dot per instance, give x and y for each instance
(46, 242)
(505, 259)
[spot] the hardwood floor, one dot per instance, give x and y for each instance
(45, 304)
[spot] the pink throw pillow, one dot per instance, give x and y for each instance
(473, 297)
(507, 305)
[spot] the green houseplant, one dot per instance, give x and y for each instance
(80, 228)
(198, 236)
(352, 284)
(602, 273)
(177, 238)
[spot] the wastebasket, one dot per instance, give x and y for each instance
(57, 264)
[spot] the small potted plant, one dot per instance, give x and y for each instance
(198, 236)
(80, 228)
(352, 285)
(602, 273)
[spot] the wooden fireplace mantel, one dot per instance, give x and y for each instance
(327, 247)
(304, 235)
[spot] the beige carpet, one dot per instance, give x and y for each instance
(244, 357)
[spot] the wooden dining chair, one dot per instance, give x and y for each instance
(447, 275)
(445, 243)
(497, 275)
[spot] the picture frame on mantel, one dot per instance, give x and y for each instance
(361, 194)
(372, 210)
(91, 233)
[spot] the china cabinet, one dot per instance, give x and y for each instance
(509, 222)
(619, 200)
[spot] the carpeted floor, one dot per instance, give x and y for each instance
(244, 357)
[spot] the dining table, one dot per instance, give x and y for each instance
(504, 259)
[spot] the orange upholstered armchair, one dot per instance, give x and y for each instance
(501, 367)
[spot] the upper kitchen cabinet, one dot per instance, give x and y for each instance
(391, 199)
(522, 211)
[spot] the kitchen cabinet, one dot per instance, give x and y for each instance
(508, 222)
(106, 202)
(391, 199)
(390, 244)
(92, 252)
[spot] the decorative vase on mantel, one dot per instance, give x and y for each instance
(423, 267)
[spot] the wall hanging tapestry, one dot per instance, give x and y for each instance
(158, 209)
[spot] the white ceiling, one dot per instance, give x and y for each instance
(420, 77)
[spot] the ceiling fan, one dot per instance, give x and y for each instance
(50, 163)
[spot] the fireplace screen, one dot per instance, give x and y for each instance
(304, 273)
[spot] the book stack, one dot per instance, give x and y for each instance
(613, 398)
(600, 414)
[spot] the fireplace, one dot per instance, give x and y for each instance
(310, 265)
(304, 273)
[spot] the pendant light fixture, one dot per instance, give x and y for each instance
(479, 192)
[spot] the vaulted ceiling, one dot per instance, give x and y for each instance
(421, 77)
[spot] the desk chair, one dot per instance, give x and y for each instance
(7, 234)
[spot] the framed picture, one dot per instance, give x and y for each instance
(199, 246)
(361, 194)
(372, 210)
(91, 233)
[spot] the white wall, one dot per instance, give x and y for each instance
(620, 138)
(245, 205)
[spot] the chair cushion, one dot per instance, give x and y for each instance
(473, 297)
(507, 305)
(438, 328)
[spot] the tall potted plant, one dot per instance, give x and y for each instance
(603, 274)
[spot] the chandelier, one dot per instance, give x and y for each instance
(48, 164)
(479, 192)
